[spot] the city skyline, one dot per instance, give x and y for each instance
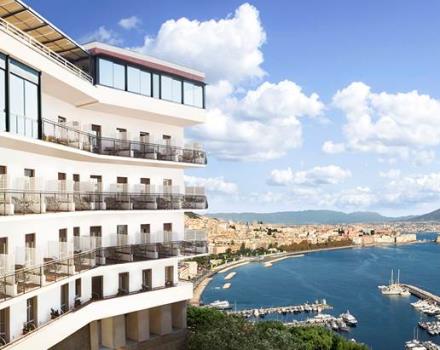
(310, 106)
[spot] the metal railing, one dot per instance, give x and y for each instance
(27, 279)
(40, 48)
(71, 137)
(14, 202)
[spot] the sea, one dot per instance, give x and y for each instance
(348, 279)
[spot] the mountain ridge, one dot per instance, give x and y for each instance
(311, 217)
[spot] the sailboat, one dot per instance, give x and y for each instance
(394, 288)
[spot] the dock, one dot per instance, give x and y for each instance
(422, 294)
(290, 309)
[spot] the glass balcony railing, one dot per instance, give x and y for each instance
(72, 137)
(13, 202)
(26, 279)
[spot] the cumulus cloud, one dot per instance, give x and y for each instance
(104, 35)
(319, 175)
(129, 22)
(400, 125)
(263, 124)
(213, 184)
(225, 49)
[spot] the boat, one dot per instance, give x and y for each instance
(220, 305)
(394, 288)
(349, 318)
(405, 293)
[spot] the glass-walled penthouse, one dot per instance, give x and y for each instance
(127, 77)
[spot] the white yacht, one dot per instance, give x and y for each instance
(349, 318)
(220, 305)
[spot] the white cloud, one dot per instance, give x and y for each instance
(263, 124)
(400, 125)
(330, 147)
(225, 49)
(213, 184)
(319, 175)
(130, 22)
(104, 35)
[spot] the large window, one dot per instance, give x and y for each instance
(157, 85)
(23, 99)
(138, 81)
(171, 89)
(111, 74)
(2, 93)
(192, 94)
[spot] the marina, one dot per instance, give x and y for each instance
(343, 323)
(317, 306)
(347, 279)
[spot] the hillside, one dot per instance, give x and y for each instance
(432, 216)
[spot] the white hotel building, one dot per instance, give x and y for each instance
(92, 194)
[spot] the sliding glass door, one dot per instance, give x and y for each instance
(23, 100)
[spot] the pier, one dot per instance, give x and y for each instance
(422, 294)
(290, 309)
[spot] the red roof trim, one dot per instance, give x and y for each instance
(147, 64)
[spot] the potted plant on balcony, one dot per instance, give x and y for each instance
(28, 327)
(54, 314)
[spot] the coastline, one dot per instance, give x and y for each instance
(204, 281)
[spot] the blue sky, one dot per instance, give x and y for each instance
(312, 104)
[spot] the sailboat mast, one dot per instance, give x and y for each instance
(398, 276)
(392, 277)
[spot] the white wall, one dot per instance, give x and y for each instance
(49, 296)
(53, 107)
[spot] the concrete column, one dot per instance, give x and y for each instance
(161, 320)
(179, 314)
(138, 325)
(113, 331)
(94, 335)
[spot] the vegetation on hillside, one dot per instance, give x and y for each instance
(214, 330)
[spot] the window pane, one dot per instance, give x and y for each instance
(118, 76)
(177, 91)
(146, 83)
(16, 98)
(133, 79)
(166, 88)
(2, 61)
(31, 109)
(198, 96)
(23, 71)
(2, 101)
(188, 93)
(105, 72)
(156, 85)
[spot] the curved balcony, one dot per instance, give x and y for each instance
(72, 137)
(28, 278)
(13, 202)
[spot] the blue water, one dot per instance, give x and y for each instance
(348, 279)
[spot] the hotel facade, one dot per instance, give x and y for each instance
(92, 193)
